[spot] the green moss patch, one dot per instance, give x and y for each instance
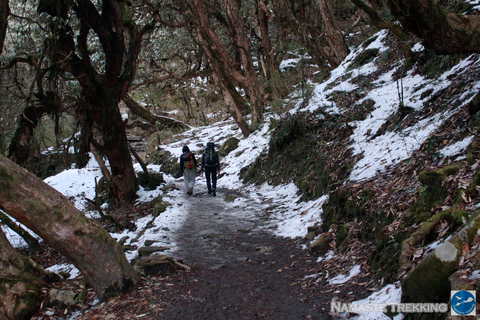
(431, 193)
(160, 206)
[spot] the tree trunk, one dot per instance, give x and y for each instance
(250, 82)
(55, 219)
(29, 239)
(115, 148)
(153, 119)
(19, 149)
(333, 34)
(304, 21)
(19, 283)
(233, 101)
(103, 90)
(396, 29)
(440, 30)
(240, 70)
(4, 12)
(272, 72)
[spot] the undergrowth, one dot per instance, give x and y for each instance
(305, 149)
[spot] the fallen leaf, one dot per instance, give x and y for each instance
(466, 248)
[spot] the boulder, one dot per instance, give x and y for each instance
(61, 298)
(228, 146)
(430, 280)
(322, 244)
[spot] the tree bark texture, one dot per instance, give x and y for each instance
(332, 32)
(19, 283)
(4, 12)
(270, 64)
(252, 86)
(19, 149)
(56, 220)
(440, 30)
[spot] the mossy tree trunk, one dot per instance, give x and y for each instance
(56, 220)
(19, 283)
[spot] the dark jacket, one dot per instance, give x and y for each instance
(184, 159)
(216, 160)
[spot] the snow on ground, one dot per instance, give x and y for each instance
(389, 148)
(290, 217)
(390, 294)
(77, 184)
(475, 3)
(342, 278)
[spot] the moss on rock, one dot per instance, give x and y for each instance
(428, 282)
(321, 245)
(170, 164)
(433, 192)
(228, 146)
(151, 180)
(160, 206)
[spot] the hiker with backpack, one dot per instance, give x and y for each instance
(211, 165)
(188, 163)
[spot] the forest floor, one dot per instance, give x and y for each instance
(238, 270)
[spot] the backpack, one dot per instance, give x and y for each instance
(189, 164)
(210, 158)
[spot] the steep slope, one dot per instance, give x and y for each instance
(396, 150)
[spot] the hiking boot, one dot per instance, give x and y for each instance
(209, 193)
(214, 193)
(190, 191)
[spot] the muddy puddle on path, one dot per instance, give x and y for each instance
(239, 269)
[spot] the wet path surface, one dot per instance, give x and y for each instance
(208, 237)
(238, 270)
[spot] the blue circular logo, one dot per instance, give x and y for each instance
(463, 303)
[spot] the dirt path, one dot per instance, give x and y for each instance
(238, 271)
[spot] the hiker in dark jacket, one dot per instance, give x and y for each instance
(211, 165)
(188, 163)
